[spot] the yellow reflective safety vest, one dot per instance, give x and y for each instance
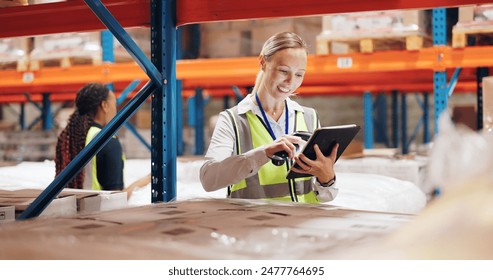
(270, 182)
(91, 181)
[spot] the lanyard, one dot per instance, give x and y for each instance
(271, 132)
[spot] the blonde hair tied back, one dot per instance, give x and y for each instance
(277, 42)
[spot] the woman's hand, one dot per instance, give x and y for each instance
(322, 167)
(285, 143)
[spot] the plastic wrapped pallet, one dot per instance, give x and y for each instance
(392, 27)
(14, 53)
(473, 20)
(60, 48)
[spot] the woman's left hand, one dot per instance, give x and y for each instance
(322, 167)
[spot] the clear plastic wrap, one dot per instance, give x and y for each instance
(459, 155)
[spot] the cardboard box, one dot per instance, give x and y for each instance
(7, 214)
(466, 115)
(91, 201)
(200, 229)
(224, 43)
(21, 199)
(466, 14)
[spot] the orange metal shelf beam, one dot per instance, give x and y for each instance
(195, 11)
(378, 69)
(69, 16)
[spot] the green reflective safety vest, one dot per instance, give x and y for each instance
(91, 170)
(270, 182)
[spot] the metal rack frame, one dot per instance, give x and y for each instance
(165, 16)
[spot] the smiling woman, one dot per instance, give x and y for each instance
(248, 135)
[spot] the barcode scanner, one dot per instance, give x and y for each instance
(279, 158)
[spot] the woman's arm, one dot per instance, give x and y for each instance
(222, 166)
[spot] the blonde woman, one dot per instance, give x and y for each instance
(249, 135)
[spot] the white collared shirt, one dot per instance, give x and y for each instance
(222, 167)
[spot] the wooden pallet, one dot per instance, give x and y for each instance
(482, 32)
(64, 62)
(369, 45)
(19, 65)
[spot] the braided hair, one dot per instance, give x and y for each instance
(73, 137)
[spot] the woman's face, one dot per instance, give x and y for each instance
(284, 72)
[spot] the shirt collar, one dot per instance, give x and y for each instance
(247, 104)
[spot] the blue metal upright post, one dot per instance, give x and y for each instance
(226, 102)
(439, 78)
(46, 112)
(440, 94)
(108, 51)
(199, 122)
(405, 148)
(380, 109)
(481, 72)
(368, 111)
(395, 118)
(22, 116)
(164, 123)
(179, 100)
(426, 118)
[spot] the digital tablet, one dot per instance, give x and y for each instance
(326, 138)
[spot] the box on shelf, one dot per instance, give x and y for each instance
(307, 27)
(466, 115)
(369, 31)
(246, 38)
(201, 229)
(7, 214)
(65, 49)
(14, 53)
(91, 201)
(224, 43)
(474, 20)
(20, 199)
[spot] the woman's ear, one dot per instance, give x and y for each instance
(104, 106)
(261, 61)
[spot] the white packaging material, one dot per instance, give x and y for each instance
(73, 44)
(373, 192)
(13, 49)
(402, 169)
(459, 155)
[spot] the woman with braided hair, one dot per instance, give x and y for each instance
(95, 107)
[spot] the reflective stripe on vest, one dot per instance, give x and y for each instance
(270, 182)
(91, 170)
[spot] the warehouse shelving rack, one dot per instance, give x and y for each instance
(164, 17)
